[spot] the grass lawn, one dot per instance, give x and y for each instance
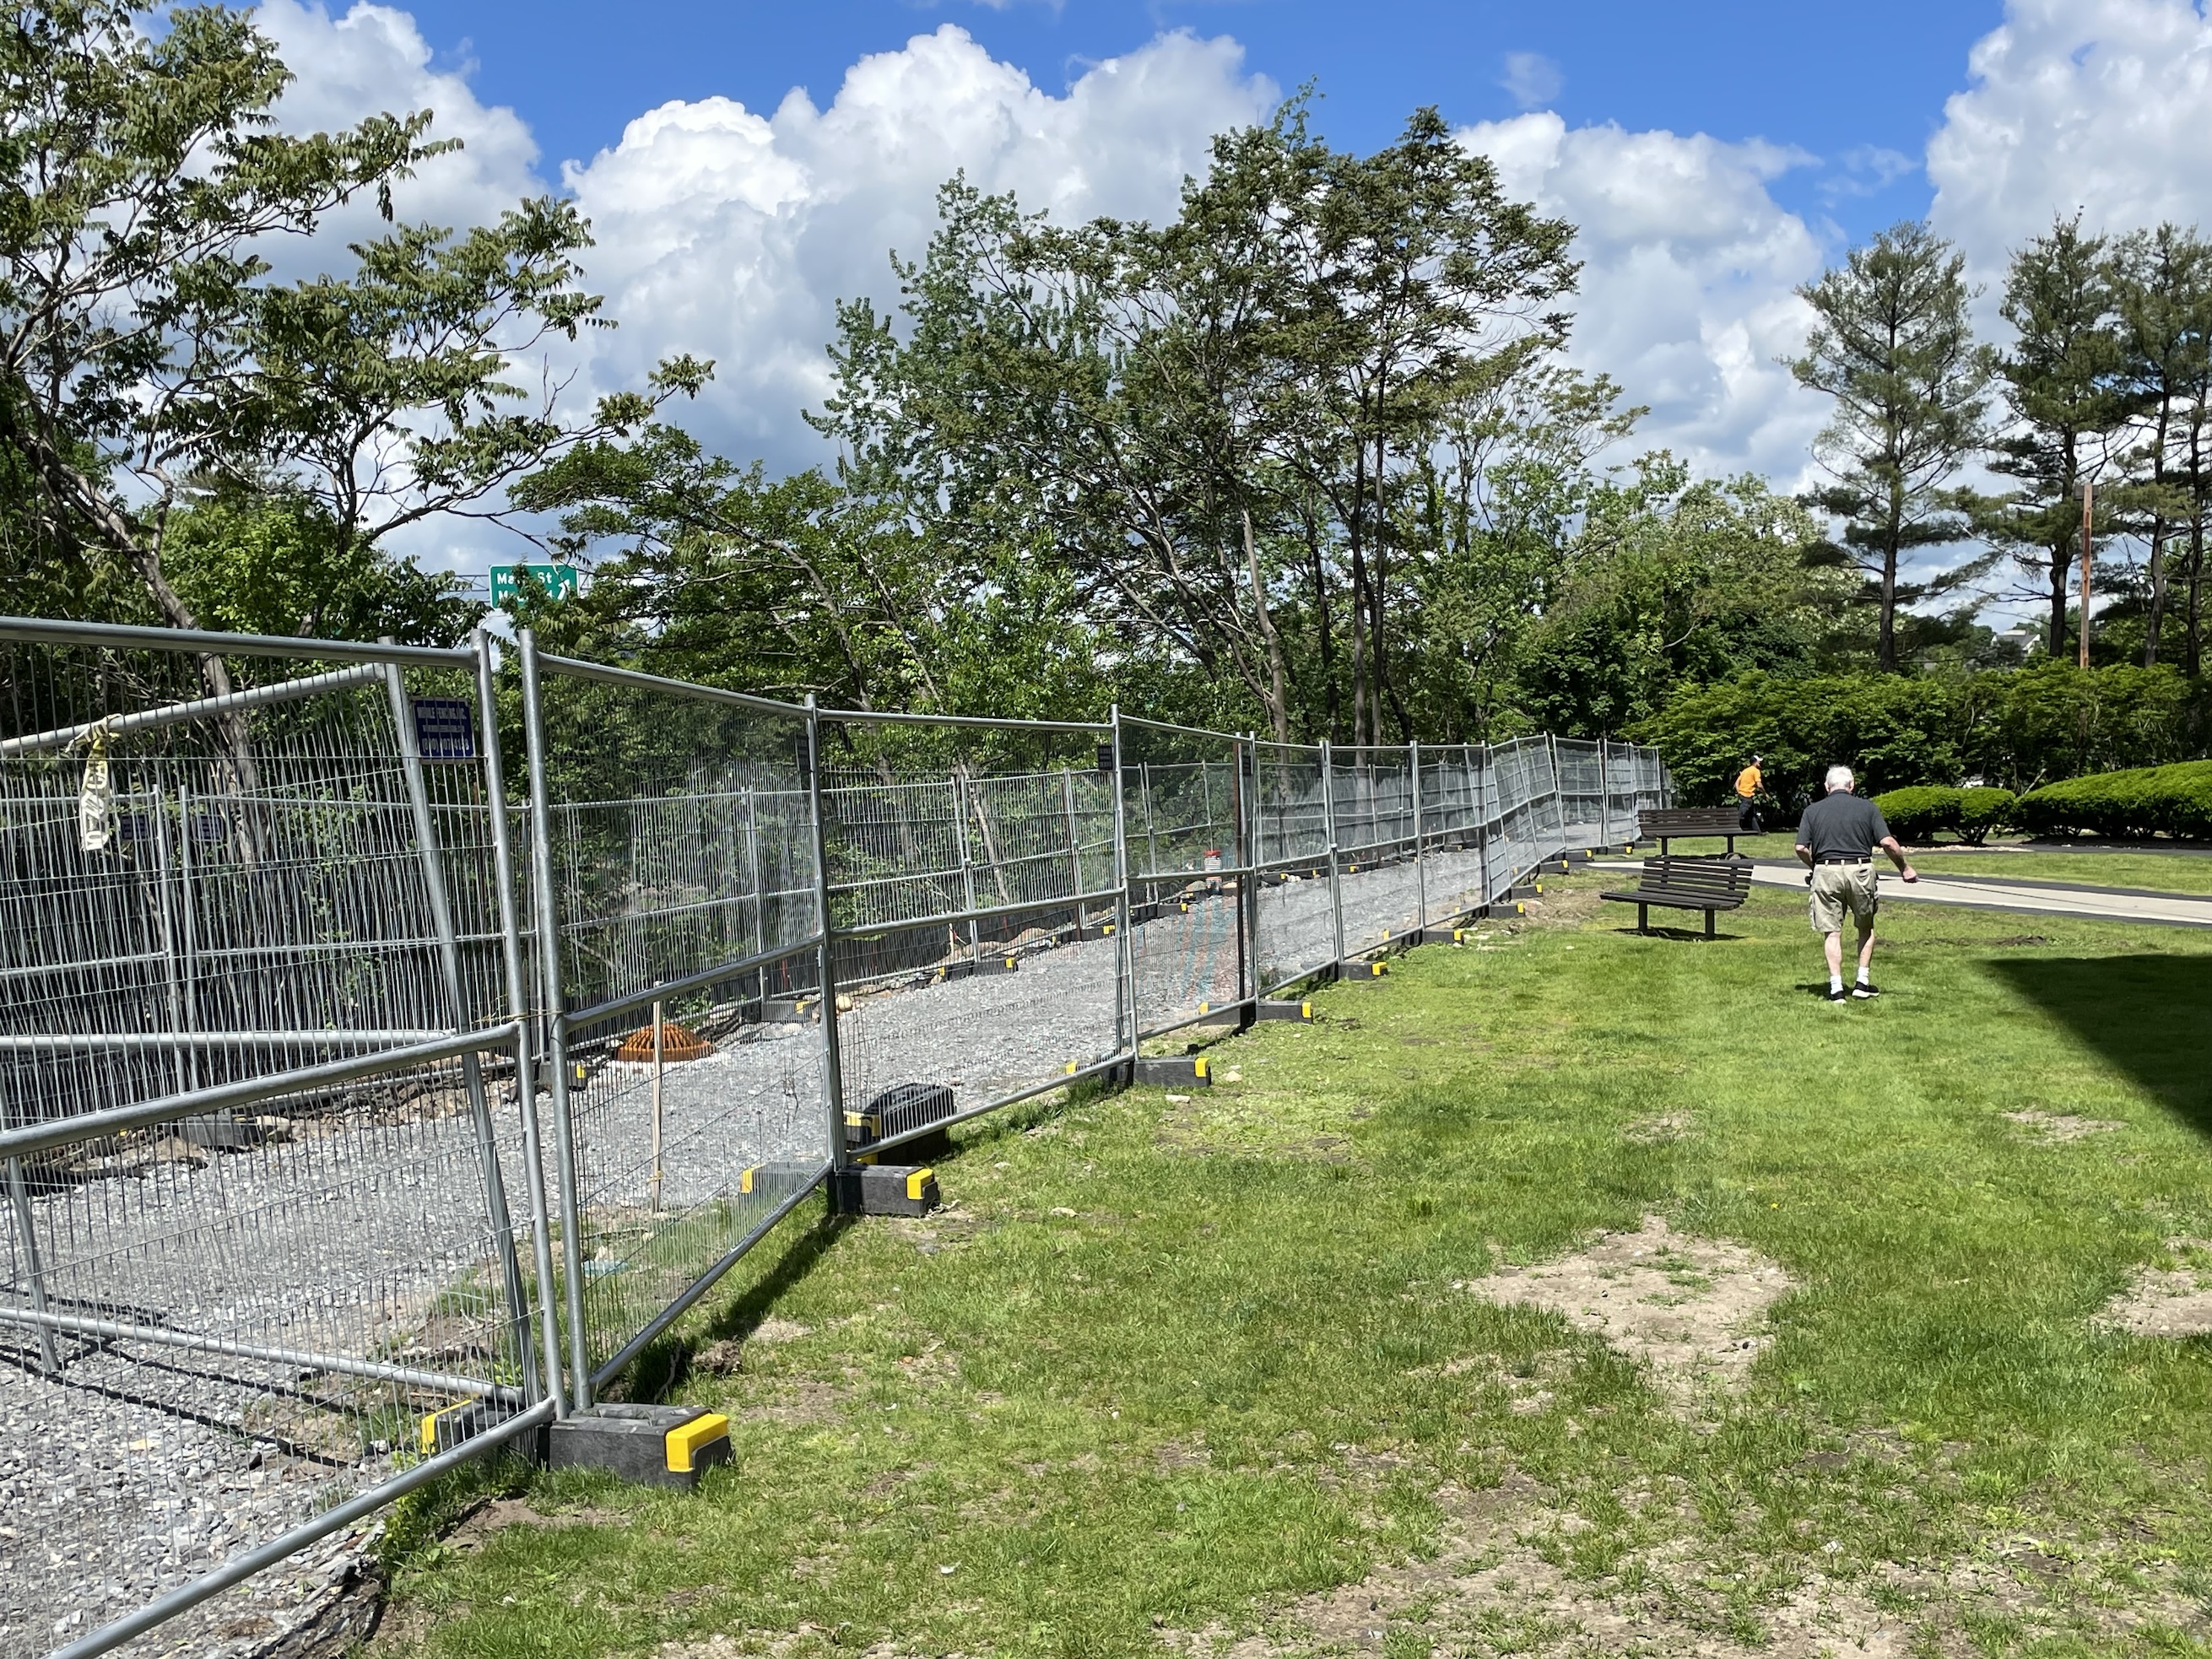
(1170, 1374)
(2159, 873)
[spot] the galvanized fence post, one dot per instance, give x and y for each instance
(1420, 856)
(181, 1060)
(833, 1071)
(449, 962)
(1125, 957)
(1074, 848)
(555, 1044)
(514, 956)
(1479, 771)
(1335, 882)
(50, 1358)
(967, 865)
(1243, 779)
(188, 924)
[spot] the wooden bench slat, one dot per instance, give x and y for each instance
(1688, 884)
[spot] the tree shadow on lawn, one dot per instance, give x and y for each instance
(2147, 1016)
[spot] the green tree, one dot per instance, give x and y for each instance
(2064, 386)
(2162, 281)
(1894, 346)
(147, 362)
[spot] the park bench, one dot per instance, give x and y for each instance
(1663, 824)
(1673, 883)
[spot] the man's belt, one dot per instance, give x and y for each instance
(1864, 860)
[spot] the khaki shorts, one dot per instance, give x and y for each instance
(1838, 888)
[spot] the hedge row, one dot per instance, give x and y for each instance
(1920, 813)
(2174, 801)
(2015, 729)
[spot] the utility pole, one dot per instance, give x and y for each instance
(2089, 500)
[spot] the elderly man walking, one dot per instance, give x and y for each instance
(1836, 841)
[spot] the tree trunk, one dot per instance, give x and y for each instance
(2059, 565)
(1355, 522)
(1279, 707)
(1327, 637)
(2192, 661)
(2157, 529)
(1886, 654)
(2157, 591)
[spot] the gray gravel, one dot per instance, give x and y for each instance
(350, 1237)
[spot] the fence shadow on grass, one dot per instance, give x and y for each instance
(663, 1365)
(2148, 1016)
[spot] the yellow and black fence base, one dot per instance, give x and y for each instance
(1173, 1071)
(884, 1190)
(651, 1445)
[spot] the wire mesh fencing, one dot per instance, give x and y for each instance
(399, 1041)
(259, 1118)
(976, 916)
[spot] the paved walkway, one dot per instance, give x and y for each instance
(2056, 898)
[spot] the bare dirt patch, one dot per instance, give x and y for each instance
(1497, 1586)
(1651, 1131)
(1506, 1579)
(1563, 904)
(2172, 1298)
(2055, 1127)
(1688, 1308)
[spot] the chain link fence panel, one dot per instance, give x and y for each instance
(360, 1097)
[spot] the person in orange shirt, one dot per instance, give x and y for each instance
(1747, 793)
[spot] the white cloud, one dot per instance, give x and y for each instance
(1533, 79)
(374, 59)
(732, 235)
(2096, 105)
(1687, 289)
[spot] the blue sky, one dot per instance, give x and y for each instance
(747, 166)
(1839, 82)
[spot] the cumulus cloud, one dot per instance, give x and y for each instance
(1689, 273)
(732, 234)
(372, 59)
(1533, 79)
(2099, 106)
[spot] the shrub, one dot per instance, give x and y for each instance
(1895, 730)
(2174, 801)
(1916, 814)
(1981, 811)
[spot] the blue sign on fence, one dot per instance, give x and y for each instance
(445, 729)
(559, 581)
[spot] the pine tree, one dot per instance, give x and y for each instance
(2067, 397)
(2163, 284)
(1894, 348)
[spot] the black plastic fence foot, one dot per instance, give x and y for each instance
(1175, 1071)
(884, 1190)
(652, 1445)
(1299, 1011)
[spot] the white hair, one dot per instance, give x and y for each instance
(1839, 777)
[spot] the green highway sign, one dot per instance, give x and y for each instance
(557, 579)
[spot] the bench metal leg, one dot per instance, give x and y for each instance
(1709, 924)
(1643, 918)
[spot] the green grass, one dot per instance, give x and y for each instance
(2170, 872)
(2160, 873)
(1168, 1366)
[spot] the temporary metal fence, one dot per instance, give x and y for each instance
(397, 1041)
